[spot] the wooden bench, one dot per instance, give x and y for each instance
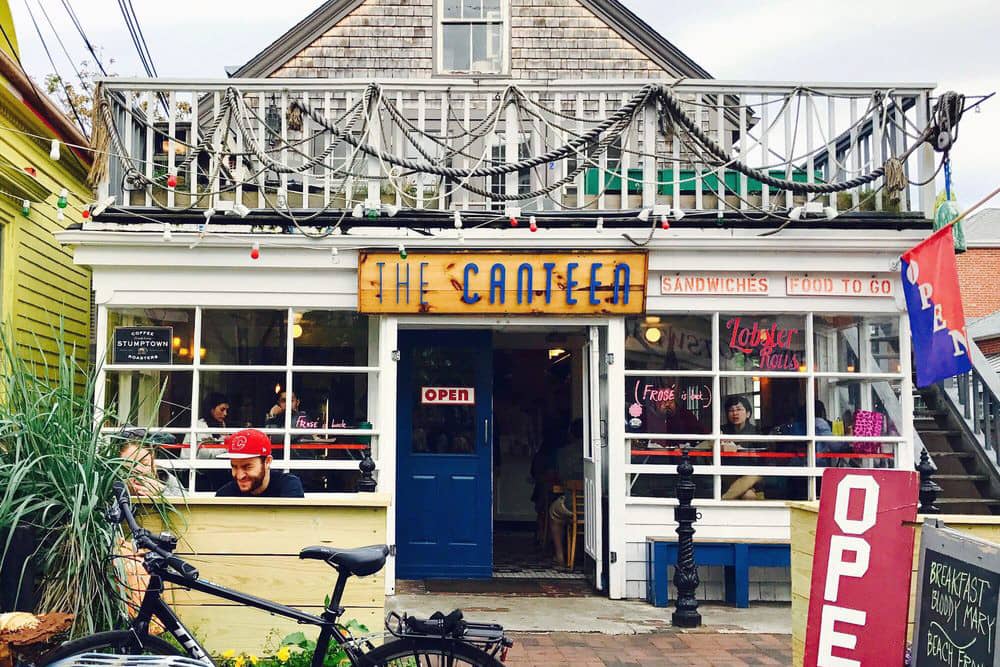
(737, 556)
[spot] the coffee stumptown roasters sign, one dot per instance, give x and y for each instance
(503, 283)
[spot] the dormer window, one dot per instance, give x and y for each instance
(473, 37)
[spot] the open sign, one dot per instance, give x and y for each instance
(860, 589)
(448, 395)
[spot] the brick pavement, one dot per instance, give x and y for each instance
(695, 648)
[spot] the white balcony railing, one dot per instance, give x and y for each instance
(311, 144)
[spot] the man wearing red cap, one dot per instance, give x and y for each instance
(249, 454)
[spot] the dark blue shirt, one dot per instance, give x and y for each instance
(281, 485)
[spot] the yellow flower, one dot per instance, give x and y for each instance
(229, 655)
(284, 653)
(253, 659)
(240, 662)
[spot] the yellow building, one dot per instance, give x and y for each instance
(39, 284)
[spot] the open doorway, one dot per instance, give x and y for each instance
(537, 434)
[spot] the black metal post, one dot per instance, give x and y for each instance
(367, 482)
(929, 489)
(686, 573)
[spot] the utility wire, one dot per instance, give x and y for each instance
(69, 97)
(79, 28)
(72, 63)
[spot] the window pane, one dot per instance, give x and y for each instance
(180, 320)
(134, 398)
(486, 47)
(841, 454)
(668, 452)
(452, 9)
(244, 336)
(472, 9)
(679, 406)
(668, 342)
(491, 9)
(328, 481)
(237, 399)
(330, 338)
(439, 428)
(848, 344)
(762, 342)
(325, 400)
(455, 42)
(644, 485)
(777, 406)
(765, 487)
(860, 407)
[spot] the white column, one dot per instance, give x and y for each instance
(617, 453)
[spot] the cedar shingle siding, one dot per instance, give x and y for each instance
(550, 39)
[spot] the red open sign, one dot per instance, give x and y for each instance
(448, 395)
(861, 568)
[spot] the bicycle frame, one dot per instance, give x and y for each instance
(154, 606)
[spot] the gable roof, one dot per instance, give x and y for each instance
(982, 230)
(618, 17)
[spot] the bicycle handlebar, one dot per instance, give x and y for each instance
(142, 537)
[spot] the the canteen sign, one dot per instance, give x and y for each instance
(861, 568)
(502, 283)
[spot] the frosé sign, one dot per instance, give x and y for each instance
(560, 283)
(776, 347)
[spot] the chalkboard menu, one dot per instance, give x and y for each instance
(143, 345)
(957, 600)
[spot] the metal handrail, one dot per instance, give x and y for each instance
(978, 394)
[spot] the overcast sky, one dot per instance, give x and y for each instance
(953, 44)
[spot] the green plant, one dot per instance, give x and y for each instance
(56, 475)
(295, 650)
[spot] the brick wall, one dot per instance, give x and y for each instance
(550, 39)
(989, 347)
(979, 278)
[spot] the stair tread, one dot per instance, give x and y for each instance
(976, 501)
(960, 455)
(961, 477)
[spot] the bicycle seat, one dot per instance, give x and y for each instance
(360, 562)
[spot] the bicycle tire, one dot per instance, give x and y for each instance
(121, 642)
(409, 651)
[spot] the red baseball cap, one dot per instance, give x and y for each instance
(247, 444)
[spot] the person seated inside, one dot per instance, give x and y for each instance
(738, 422)
(569, 466)
(144, 479)
(276, 415)
(214, 412)
(249, 454)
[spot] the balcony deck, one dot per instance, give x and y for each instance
(328, 149)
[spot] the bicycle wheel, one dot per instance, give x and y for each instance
(430, 652)
(116, 642)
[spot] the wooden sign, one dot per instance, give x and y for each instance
(957, 601)
(503, 283)
(860, 591)
(714, 283)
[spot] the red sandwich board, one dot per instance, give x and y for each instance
(861, 568)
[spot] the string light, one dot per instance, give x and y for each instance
(63, 200)
(664, 222)
(167, 235)
(334, 253)
(513, 213)
(255, 250)
(402, 251)
(458, 220)
(600, 225)
(171, 180)
(644, 214)
(85, 213)
(54, 149)
(25, 208)
(532, 224)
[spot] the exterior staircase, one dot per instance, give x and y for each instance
(958, 422)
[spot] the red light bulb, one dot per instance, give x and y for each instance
(255, 251)
(513, 222)
(85, 213)
(172, 181)
(533, 227)
(664, 223)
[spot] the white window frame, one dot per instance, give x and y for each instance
(716, 470)
(189, 460)
(440, 21)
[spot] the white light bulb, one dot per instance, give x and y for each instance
(54, 149)
(600, 225)
(458, 220)
(644, 214)
(167, 236)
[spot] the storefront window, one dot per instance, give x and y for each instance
(330, 338)
(779, 406)
(179, 320)
(228, 396)
(244, 337)
(850, 344)
(670, 343)
(762, 342)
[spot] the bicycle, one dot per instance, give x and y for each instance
(439, 640)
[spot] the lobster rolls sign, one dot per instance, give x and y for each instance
(860, 589)
(502, 283)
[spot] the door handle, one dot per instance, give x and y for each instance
(486, 429)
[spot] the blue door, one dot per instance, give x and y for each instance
(444, 517)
